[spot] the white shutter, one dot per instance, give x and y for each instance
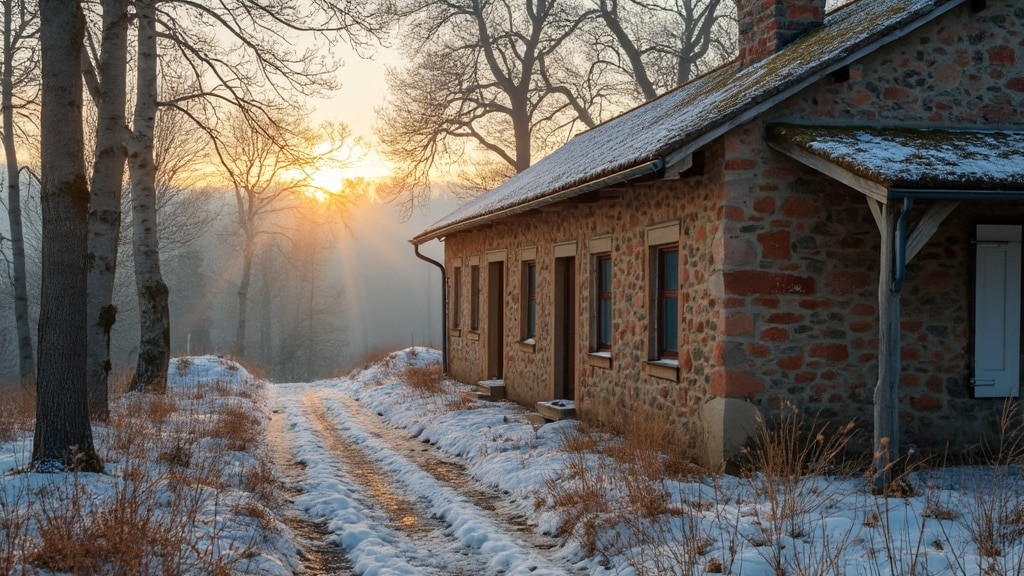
(997, 312)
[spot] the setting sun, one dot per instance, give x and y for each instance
(358, 165)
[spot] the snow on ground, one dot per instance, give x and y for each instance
(171, 470)
(390, 516)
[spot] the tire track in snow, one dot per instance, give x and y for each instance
(403, 513)
(449, 470)
(319, 556)
(354, 520)
(464, 504)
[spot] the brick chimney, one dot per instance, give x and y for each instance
(767, 26)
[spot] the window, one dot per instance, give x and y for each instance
(666, 282)
(474, 298)
(529, 305)
(603, 302)
(456, 301)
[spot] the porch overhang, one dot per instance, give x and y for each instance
(924, 164)
(893, 167)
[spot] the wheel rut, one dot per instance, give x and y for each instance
(319, 557)
(451, 472)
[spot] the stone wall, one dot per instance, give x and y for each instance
(779, 264)
(604, 389)
(801, 264)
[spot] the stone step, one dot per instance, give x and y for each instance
(555, 410)
(491, 389)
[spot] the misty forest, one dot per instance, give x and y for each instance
(226, 323)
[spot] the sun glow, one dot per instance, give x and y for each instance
(353, 170)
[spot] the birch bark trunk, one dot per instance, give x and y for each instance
(105, 207)
(26, 356)
(63, 436)
(154, 315)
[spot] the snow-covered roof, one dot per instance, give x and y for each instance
(916, 158)
(690, 116)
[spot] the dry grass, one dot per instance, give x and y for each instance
(17, 411)
(426, 378)
(237, 426)
(168, 478)
(797, 468)
(615, 495)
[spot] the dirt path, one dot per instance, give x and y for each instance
(319, 556)
(448, 470)
(417, 507)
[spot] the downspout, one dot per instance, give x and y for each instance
(444, 306)
(900, 261)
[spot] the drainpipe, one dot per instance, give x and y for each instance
(444, 309)
(900, 273)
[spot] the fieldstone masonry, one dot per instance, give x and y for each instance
(778, 263)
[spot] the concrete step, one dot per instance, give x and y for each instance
(491, 389)
(555, 410)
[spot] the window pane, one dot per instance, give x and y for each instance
(531, 319)
(605, 272)
(605, 322)
(669, 269)
(668, 324)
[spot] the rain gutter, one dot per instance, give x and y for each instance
(900, 262)
(444, 312)
(908, 195)
(954, 194)
(628, 175)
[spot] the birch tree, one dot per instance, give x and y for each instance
(154, 312)
(108, 88)
(63, 437)
(17, 84)
(256, 73)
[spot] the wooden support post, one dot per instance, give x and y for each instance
(887, 392)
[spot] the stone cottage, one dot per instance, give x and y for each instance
(831, 220)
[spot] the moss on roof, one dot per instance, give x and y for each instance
(916, 158)
(678, 120)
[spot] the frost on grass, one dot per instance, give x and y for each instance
(187, 490)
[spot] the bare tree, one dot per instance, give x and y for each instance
(500, 81)
(476, 84)
(268, 168)
(661, 44)
(256, 73)
(108, 87)
(63, 437)
(18, 81)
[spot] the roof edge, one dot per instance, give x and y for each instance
(652, 167)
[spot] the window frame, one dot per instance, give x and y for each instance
(660, 295)
(528, 322)
(456, 300)
(474, 297)
(600, 296)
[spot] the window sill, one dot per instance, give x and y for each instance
(663, 369)
(455, 332)
(599, 359)
(473, 335)
(528, 345)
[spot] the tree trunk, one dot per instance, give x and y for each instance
(522, 133)
(63, 437)
(26, 357)
(154, 315)
(243, 296)
(105, 207)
